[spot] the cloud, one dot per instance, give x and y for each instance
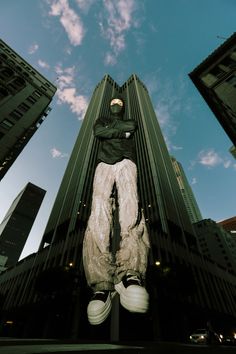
(66, 92)
(57, 153)
(194, 181)
(171, 102)
(110, 59)
(85, 5)
(210, 158)
(33, 48)
(43, 64)
(69, 19)
(115, 23)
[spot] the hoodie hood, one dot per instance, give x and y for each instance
(117, 109)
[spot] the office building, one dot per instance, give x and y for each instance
(17, 223)
(186, 191)
(229, 225)
(216, 243)
(186, 288)
(215, 78)
(25, 96)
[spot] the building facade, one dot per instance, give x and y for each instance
(17, 223)
(186, 191)
(25, 96)
(185, 287)
(215, 78)
(216, 243)
(230, 226)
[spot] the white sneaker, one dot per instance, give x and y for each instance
(99, 307)
(133, 296)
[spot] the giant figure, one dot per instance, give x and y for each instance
(124, 273)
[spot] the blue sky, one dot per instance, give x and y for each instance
(74, 43)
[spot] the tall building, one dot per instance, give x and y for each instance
(17, 223)
(230, 226)
(186, 288)
(25, 96)
(186, 191)
(216, 243)
(215, 78)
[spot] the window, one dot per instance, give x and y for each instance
(16, 114)
(37, 94)
(6, 74)
(232, 80)
(228, 62)
(3, 93)
(1, 135)
(7, 124)
(44, 88)
(217, 72)
(3, 55)
(23, 107)
(31, 99)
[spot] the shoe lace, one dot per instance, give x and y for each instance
(99, 292)
(134, 277)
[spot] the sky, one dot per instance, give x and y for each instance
(74, 43)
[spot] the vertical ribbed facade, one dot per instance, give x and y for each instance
(186, 191)
(186, 288)
(17, 223)
(160, 197)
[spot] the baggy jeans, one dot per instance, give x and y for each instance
(102, 271)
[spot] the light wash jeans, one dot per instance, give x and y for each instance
(101, 270)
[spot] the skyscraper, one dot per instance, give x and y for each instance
(215, 78)
(185, 288)
(186, 191)
(17, 223)
(159, 192)
(25, 96)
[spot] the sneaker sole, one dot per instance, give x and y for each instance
(135, 299)
(98, 317)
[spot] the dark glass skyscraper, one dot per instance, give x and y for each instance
(25, 96)
(185, 287)
(160, 196)
(17, 223)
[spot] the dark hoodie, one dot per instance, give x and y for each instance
(114, 146)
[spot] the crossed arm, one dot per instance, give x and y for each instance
(114, 129)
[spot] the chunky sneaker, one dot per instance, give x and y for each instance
(99, 307)
(133, 296)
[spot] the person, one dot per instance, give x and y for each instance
(124, 273)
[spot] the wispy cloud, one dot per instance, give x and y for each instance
(33, 48)
(69, 19)
(67, 93)
(85, 5)
(170, 101)
(110, 59)
(210, 159)
(43, 64)
(117, 20)
(193, 181)
(55, 153)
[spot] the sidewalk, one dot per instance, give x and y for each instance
(33, 346)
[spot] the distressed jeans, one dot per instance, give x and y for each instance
(101, 269)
